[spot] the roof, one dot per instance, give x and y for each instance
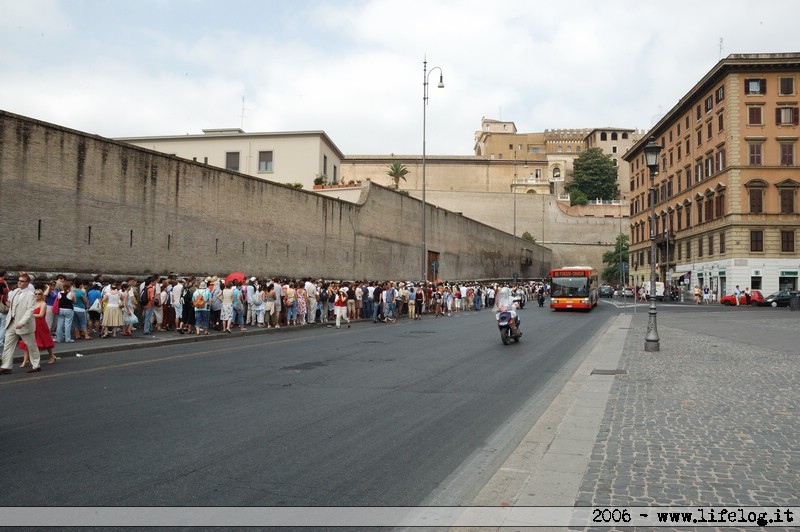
(231, 132)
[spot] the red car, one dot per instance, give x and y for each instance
(755, 299)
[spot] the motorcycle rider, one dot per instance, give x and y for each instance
(504, 302)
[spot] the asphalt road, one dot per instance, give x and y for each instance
(405, 414)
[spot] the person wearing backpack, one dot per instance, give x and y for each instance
(146, 297)
(201, 301)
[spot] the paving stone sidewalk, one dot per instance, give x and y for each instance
(711, 419)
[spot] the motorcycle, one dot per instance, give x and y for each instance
(506, 331)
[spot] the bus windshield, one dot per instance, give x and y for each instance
(569, 287)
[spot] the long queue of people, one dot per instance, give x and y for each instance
(69, 310)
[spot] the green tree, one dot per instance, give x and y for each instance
(397, 171)
(594, 175)
(529, 237)
(613, 258)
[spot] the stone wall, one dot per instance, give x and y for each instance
(75, 202)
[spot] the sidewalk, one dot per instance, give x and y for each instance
(710, 420)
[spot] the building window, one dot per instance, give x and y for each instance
(757, 240)
(698, 171)
(710, 245)
(787, 241)
(786, 86)
(720, 160)
(721, 122)
(324, 165)
(688, 217)
(755, 86)
(719, 204)
(232, 161)
(700, 247)
(720, 93)
(603, 136)
(265, 161)
(709, 130)
(787, 116)
(787, 200)
(722, 243)
(700, 136)
(756, 200)
(787, 154)
(688, 145)
(754, 116)
(709, 104)
(699, 205)
(679, 248)
(699, 112)
(755, 154)
(709, 208)
(709, 166)
(679, 217)
(688, 249)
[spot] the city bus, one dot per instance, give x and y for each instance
(573, 287)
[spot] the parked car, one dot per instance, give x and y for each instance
(606, 291)
(756, 298)
(627, 291)
(780, 299)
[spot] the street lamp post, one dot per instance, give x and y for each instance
(651, 340)
(514, 192)
(425, 76)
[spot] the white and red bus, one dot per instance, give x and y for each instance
(573, 287)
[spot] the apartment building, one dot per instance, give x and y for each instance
(725, 194)
(283, 157)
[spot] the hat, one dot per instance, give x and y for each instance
(343, 289)
(203, 286)
(214, 279)
(252, 279)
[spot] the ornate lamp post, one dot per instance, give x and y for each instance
(651, 153)
(425, 76)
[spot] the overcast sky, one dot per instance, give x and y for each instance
(353, 68)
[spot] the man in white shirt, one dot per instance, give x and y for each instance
(311, 294)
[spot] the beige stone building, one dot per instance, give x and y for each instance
(284, 157)
(616, 142)
(725, 196)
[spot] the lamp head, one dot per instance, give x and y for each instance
(651, 152)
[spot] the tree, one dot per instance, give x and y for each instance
(613, 258)
(397, 171)
(529, 237)
(594, 175)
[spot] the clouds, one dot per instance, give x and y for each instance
(354, 68)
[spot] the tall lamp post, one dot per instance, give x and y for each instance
(425, 76)
(651, 152)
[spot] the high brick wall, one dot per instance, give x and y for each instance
(75, 202)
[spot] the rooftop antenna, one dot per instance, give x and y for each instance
(242, 115)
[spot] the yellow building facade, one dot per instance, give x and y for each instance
(725, 195)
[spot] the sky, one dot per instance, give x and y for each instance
(354, 68)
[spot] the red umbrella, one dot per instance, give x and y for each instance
(235, 276)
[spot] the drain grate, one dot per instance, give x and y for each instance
(609, 372)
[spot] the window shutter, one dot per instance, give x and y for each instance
(777, 116)
(795, 116)
(762, 86)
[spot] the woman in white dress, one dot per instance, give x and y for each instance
(112, 316)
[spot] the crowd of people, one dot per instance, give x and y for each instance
(69, 310)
